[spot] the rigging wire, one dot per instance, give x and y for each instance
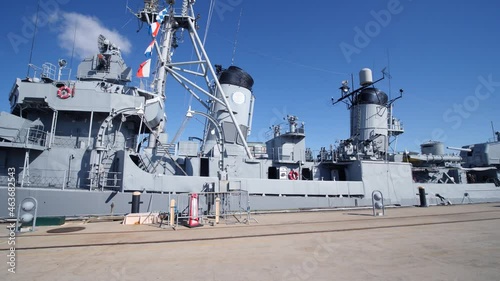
(207, 27)
(206, 125)
(131, 18)
(190, 100)
(236, 37)
(209, 20)
(73, 49)
(258, 53)
(389, 73)
(34, 36)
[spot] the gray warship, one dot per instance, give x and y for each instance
(80, 157)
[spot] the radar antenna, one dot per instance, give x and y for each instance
(102, 44)
(105, 46)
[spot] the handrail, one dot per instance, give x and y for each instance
(31, 136)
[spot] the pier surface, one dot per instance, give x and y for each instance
(459, 242)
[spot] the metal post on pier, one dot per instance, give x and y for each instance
(422, 196)
(136, 202)
(172, 212)
(217, 210)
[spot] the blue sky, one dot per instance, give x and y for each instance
(444, 54)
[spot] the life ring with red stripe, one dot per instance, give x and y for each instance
(293, 175)
(64, 92)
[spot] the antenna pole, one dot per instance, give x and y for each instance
(73, 49)
(34, 35)
(389, 71)
(493, 129)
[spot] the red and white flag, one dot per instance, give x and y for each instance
(154, 28)
(144, 69)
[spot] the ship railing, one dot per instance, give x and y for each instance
(52, 178)
(64, 74)
(396, 126)
(31, 136)
(234, 207)
(67, 141)
(36, 137)
(83, 141)
(6, 178)
(36, 70)
(104, 180)
(325, 155)
(49, 70)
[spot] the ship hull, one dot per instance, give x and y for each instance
(78, 203)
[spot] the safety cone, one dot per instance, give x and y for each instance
(194, 219)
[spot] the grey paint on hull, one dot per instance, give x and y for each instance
(54, 202)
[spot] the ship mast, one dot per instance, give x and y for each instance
(165, 51)
(163, 48)
(178, 70)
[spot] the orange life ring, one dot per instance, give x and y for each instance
(293, 175)
(64, 92)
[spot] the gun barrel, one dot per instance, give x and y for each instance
(459, 148)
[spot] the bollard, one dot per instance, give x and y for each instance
(26, 213)
(378, 203)
(172, 211)
(217, 210)
(421, 194)
(136, 201)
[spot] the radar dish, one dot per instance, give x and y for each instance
(106, 47)
(102, 43)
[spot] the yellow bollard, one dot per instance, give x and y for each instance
(172, 212)
(217, 210)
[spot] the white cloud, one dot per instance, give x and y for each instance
(88, 29)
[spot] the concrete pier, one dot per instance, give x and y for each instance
(459, 242)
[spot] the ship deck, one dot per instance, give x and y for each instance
(459, 242)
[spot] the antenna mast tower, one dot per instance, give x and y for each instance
(173, 22)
